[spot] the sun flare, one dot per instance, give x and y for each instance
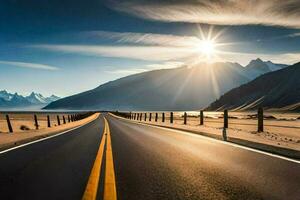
(207, 47)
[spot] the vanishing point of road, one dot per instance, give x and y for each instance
(112, 158)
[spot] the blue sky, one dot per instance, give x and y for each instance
(64, 47)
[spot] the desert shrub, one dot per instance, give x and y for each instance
(24, 128)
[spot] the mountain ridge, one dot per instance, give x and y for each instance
(15, 100)
(278, 90)
(182, 88)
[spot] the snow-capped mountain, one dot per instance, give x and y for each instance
(51, 98)
(15, 100)
(258, 67)
(5, 95)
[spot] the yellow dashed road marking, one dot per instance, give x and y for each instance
(91, 189)
(110, 192)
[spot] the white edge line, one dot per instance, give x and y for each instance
(216, 140)
(42, 139)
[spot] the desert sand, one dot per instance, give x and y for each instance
(280, 130)
(21, 136)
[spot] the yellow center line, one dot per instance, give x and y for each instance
(110, 192)
(91, 189)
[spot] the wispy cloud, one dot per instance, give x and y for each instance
(147, 38)
(292, 35)
(126, 71)
(148, 67)
(225, 12)
(165, 65)
(167, 48)
(29, 65)
(150, 53)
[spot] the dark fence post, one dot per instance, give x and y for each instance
(69, 120)
(163, 117)
(156, 117)
(260, 120)
(64, 119)
(145, 117)
(150, 116)
(36, 123)
(138, 116)
(48, 121)
(225, 118)
(171, 117)
(201, 117)
(9, 124)
(184, 118)
(141, 115)
(58, 120)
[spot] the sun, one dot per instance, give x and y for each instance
(207, 48)
(207, 44)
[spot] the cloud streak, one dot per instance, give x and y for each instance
(152, 53)
(145, 68)
(223, 12)
(167, 48)
(146, 38)
(29, 65)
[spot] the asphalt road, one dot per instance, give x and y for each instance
(148, 163)
(57, 168)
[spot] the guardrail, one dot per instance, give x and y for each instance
(60, 119)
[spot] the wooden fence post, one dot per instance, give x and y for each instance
(145, 117)
(58, 120)
(171, 117)
(260, 120)
(163, 117)
(141, 115)
(150, 116)
(156, 117)
(9, 124)
(48, 121)
(201, 117)
(184, 118)
(36, 123)
(69, 120)
(225, 118)
(64, 119)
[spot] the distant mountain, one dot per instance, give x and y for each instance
(279, 90)
(258, 67)
(183, 88)
(5, 95)
(9, 100)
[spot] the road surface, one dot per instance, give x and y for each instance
(135, 161)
